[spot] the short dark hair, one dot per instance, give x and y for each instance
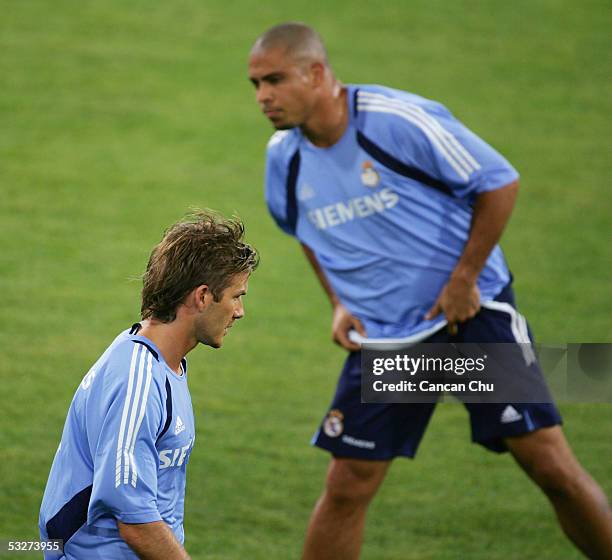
(202, 248)
(298, 39)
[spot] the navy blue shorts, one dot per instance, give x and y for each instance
(383, 431)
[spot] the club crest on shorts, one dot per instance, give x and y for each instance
(333, 424)
(369, 175)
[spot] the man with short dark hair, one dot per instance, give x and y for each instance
(399, 208)
(117, 483)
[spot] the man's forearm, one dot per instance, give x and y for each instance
(491, 214)
(320, 275)
(152, 541)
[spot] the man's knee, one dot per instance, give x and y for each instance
(557, 480)
(354, 482)
(548, 460)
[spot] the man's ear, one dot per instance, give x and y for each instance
(317, 72)
(202, 297)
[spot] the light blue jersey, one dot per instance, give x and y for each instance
(123, 453)
(387, 209)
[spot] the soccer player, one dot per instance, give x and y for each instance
(117, 483)
(399, 208)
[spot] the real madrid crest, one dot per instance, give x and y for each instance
(369, 175)
(333, 424)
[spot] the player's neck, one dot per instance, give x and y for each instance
(329, 119)
(172, 341)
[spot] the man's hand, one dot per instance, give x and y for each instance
(459, 300)
(342, 323)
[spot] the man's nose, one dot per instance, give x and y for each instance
(239, 311)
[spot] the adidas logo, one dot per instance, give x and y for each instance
(179, 426)
(306, 192)
(510, 414)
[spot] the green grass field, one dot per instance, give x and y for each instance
(115, 117)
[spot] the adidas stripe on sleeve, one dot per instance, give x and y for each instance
(124, 431)
(424, 134)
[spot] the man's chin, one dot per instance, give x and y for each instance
(283, 126)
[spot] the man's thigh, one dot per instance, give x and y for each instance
(372, 431)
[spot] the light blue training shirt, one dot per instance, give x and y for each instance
(387, 209)
(123, 452)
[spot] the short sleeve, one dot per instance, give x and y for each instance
(122, 429)
(434, 141)
(425, 136)
(276, 197)
(282, 164)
